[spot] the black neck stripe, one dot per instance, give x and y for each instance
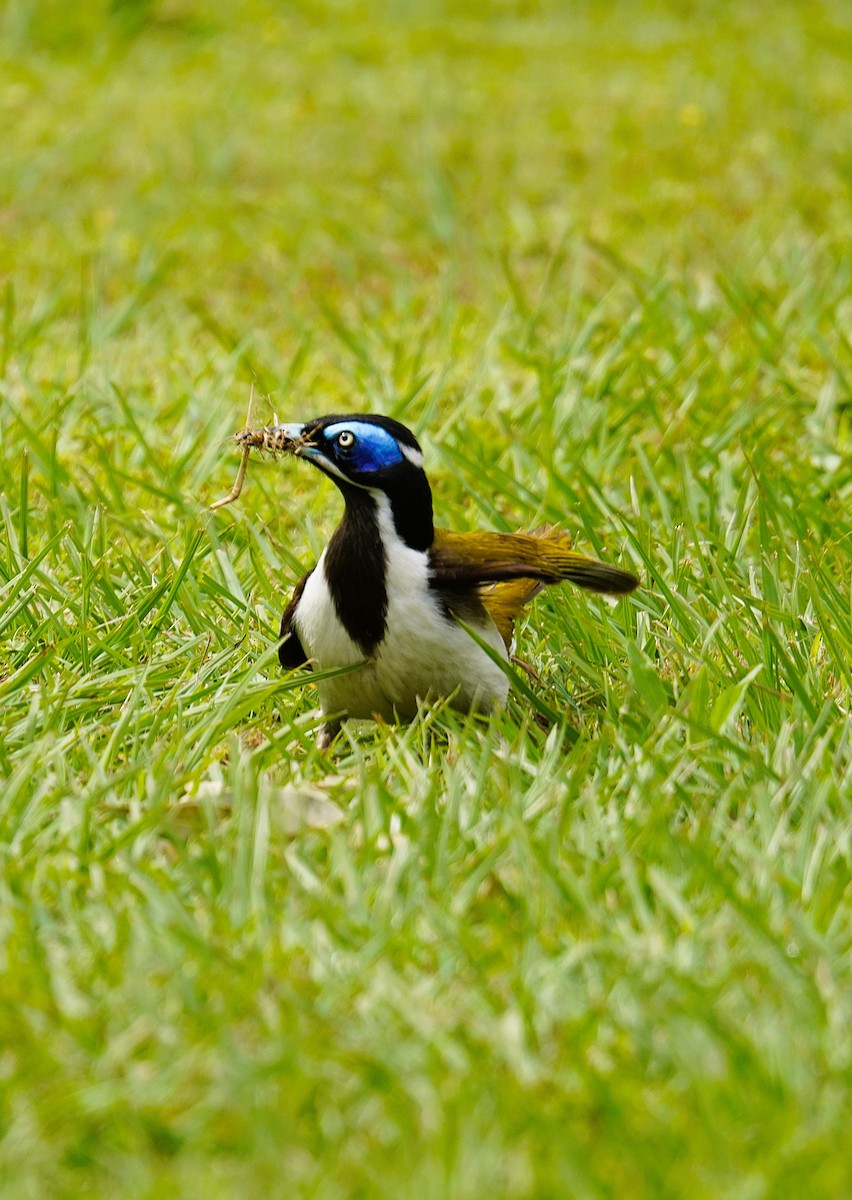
(410, 499)
(355, 571)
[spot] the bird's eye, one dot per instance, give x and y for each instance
(345, 439)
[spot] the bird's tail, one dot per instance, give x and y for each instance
(557, 561)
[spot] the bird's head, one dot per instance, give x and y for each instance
(369, 457)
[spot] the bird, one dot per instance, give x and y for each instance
(394, 598)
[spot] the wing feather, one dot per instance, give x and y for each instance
(505, 603)
(290, 651)
(464, 560)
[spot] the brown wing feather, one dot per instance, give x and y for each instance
(464, 560)
(505, 602)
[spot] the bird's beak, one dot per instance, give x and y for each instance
(291, 437)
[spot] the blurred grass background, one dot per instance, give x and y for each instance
(597, 254)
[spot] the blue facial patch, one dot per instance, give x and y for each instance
(373, 449)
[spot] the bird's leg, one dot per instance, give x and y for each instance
(328, 732)
(525, 666)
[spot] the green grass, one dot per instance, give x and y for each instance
(598, 256)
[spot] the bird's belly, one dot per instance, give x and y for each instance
(424, 654)
(428, 655)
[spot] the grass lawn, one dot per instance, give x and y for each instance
(597, 255)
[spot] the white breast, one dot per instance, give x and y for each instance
(424, 653)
